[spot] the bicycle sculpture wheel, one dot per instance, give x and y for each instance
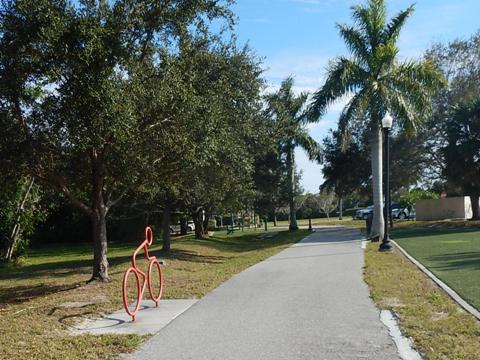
(135, 280)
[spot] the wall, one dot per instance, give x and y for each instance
(447, 208)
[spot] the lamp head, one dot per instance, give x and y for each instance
(387, 121)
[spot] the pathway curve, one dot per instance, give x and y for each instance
(307, 302)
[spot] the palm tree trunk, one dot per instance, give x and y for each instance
(291, 185)
(378, 225)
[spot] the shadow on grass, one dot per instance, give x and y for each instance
(191, 256)
(455, 261)
(249, 242)
(22, 293)
(426, 231)
(60, 269)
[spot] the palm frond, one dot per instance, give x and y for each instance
(383, 58)
(411, 86)
(395, 25)
(409, 117)
(426, 73)
(371, 19)
(356, 42)
(356, 107)
(344, 76)
(307, 143)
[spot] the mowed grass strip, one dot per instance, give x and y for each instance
(332, 221)
(453, 255)
(439, 327)
(43, 297)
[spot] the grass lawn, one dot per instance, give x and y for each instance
(347, 221)
(44, 296)
(440, 328)
(453, 255)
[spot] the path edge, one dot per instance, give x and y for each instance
(450, 292)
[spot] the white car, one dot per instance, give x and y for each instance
(399, 212)
(177, 228)
(363, 214)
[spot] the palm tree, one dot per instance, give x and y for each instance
(377, 83)
(288, 111)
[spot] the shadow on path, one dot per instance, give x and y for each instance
(328, 235)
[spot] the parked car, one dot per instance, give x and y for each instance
(412, 214)
(398, 212)
(362, 214)
(177, 227)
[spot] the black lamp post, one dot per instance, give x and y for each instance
(387, 122)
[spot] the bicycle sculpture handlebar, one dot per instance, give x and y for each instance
(142, 279)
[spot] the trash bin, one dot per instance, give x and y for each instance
(368, 223)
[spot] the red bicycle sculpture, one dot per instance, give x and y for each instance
(142, 279)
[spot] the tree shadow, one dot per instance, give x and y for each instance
(427, 231)
(22, 293)
(191, 256)
(247, 242)
(58, 269)
(455, 261)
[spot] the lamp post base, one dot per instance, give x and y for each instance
(385, 246)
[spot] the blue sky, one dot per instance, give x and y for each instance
(298, 37)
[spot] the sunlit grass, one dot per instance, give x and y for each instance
(439, 327)
(36, 297)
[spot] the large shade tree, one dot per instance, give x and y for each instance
(462, 151)
(459, 62)
(67, 79)
(287, 109)
(377, 82)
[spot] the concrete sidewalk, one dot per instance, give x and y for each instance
(307, 302)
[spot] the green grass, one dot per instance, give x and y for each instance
(452, 254)
(333, 221)
(440, 329)
(35, 319)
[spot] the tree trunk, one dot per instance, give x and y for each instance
(98, 215)
(291, 187)
(205, 225)
(183, 225)
(340, 206)
(274, 219)
(166, 218)
(199, 225)
(475, 206)
(378, 225)
(15, 235)
(99, 231)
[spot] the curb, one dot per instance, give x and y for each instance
(457, 298)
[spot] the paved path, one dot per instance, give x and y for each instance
(307, 302)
